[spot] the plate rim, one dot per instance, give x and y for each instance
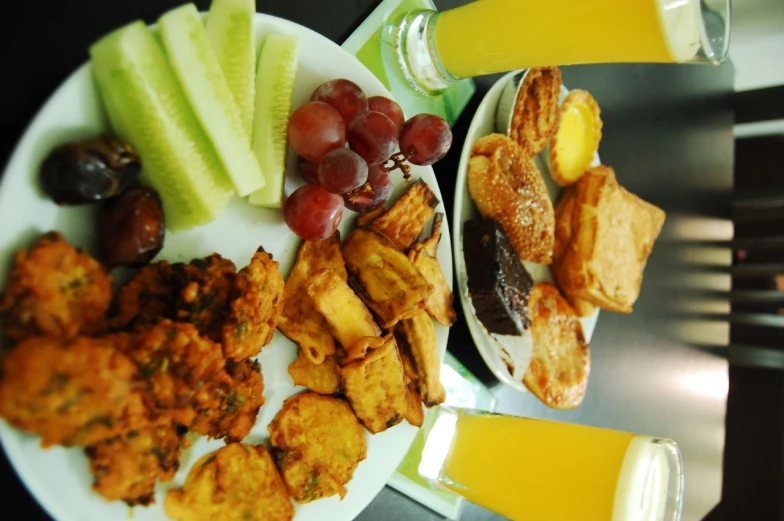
(20, 155)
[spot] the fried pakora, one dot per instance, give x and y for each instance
(375, 387)
(229, 402)
(77, 391)
(235, 483)
(207, 287)
(383, 277)
(299, 319)
(127, 467)
(347, 316)
(255, 307)
(405, 220)
(418, 337)
(317, 443)
(322, 378)
(146, 298)
(54, 289)
(176, 361)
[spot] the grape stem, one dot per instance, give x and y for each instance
(399, 162)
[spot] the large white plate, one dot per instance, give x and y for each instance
(484, 123)
(59, 478)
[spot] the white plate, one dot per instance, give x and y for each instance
(465, 210)
(59, 477)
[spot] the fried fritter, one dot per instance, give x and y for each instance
(146, 298)
(376, 388)
(229, 402)
(54, 289)
(299, 320)
(235, 483)
(347, 316)
(418, 336)
(206, 289)
(383, 277)
(77, 391)
(405, 220)
(415, 414)
(322, 378)
(255, 307)
(127, 467)
(317, 443)
(176, 361)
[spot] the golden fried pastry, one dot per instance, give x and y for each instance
(317, 443)
(376, 388)
(439, 304)
(322, 378)
(564, 211)
(54, 289)
(299, 320)
(146, 298)
(536, 109)
(256, 303)
(238, 482)
(612, 234)
(365, 219)
(77, 391)
(229, 402)
(405, 220)
(560, 362)
(347, 316)
(127, 467)
(175, 360)
(576, 139)
(507, 187)
(206, 287)
(417, 336)
(383, 277)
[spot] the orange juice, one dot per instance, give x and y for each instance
(538, 470)
(488, 36)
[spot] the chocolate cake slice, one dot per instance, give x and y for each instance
(498, 283)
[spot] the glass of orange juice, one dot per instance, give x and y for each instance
(436, 48)
(540, 470)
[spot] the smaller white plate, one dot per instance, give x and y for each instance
(465, 210)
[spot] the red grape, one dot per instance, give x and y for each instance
(389, 108)
(313, 213)
(373, 136)
(372, 194)
(344, 95)
(316, 128)
(342, 170)
(308, 170)
(425, 139)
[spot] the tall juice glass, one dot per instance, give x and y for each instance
(487, 36)
(539, 470)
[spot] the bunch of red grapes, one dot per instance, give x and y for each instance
(345, 141)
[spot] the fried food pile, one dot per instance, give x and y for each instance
(362, 311)
(172, 357)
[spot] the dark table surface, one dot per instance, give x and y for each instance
(668, 134)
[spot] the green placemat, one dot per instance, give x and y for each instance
(365, 44)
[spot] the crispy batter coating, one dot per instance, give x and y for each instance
(229, 402)
(299, 319)
(322, 378)
(71, 392)
(255, 308)
(207, 287)
(176, 361)
(235, 483)
(146, 298)
(54, 289)
(317, 443)
(417, 336)
(405, 220)
(376, 388)
(127, 467)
